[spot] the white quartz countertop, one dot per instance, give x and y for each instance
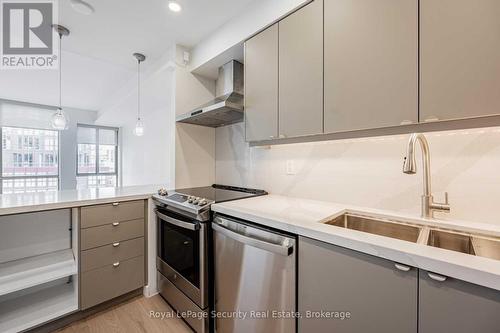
(306, 218)
(30, 202)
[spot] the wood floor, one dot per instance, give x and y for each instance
(132, 316)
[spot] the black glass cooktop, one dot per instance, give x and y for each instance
(221, 193)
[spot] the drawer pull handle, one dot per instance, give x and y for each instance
(116, 244)
(437, 277)
(402, 267)
(115, 224)
(116, 264)
(115, 204)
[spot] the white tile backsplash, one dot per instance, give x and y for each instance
(368, 171)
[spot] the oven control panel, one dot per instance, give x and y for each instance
(188, 201)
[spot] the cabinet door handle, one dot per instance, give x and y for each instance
(116, 264)
(406, 122)
(437, 277)
(116, 244)
(402, 267)
(115, 224)
(115, 204)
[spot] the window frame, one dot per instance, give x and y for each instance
(26, 177)
(117, 147)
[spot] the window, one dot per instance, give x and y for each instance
(25, 167)
(97, 162)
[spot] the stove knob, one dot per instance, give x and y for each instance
(195, 202)
(203, 202)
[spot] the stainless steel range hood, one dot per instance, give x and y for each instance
(227, 107)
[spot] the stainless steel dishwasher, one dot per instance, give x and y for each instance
(255, 275)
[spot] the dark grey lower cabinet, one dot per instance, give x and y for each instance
(456, 306)
(379, 296)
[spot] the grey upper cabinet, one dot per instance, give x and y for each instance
(459, 59)
(301, 72)
(371, 72)
(375, 292)
(261, 85)
(457, 306)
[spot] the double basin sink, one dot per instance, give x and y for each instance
(473, 244)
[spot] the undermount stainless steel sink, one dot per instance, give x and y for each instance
(486, 247)
(451, 241)
(387, 228)
(465, 243)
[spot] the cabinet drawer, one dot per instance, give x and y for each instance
(105, 283)
(109, 233)
(109, 254)
(103, 214)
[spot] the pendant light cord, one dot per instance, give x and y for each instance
(60, 72)
(138, 89)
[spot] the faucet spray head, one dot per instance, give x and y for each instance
(409, 166)
(410, 163)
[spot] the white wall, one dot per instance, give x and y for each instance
(148, 159)
(194, 145)
(22, 115)
(175, 155)
(368, 172)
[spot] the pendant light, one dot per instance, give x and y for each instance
(60, 120)
(139, 125)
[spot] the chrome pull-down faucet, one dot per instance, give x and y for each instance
(410, 167)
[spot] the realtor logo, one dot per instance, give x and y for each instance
(27, 34)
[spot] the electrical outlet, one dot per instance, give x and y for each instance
(290, 167)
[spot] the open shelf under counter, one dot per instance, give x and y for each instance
(38, 306)
(28, 272)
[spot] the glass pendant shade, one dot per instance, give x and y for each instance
(59, 120)
(139, 128)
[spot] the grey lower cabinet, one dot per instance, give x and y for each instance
(456, 306)
(459, 59)
(371, 63)
(379, 296)
(261, 85)
(301, 72)
(112, 251)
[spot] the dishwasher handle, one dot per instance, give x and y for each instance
(284, 250)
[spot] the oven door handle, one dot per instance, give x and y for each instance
(179, 223)
(284, 250)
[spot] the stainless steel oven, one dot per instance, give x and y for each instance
(181, 262)
(184, 255)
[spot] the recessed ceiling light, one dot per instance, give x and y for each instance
(82, 7)
(174, 6)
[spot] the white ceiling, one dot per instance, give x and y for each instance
(119, 28)
(98, 53)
